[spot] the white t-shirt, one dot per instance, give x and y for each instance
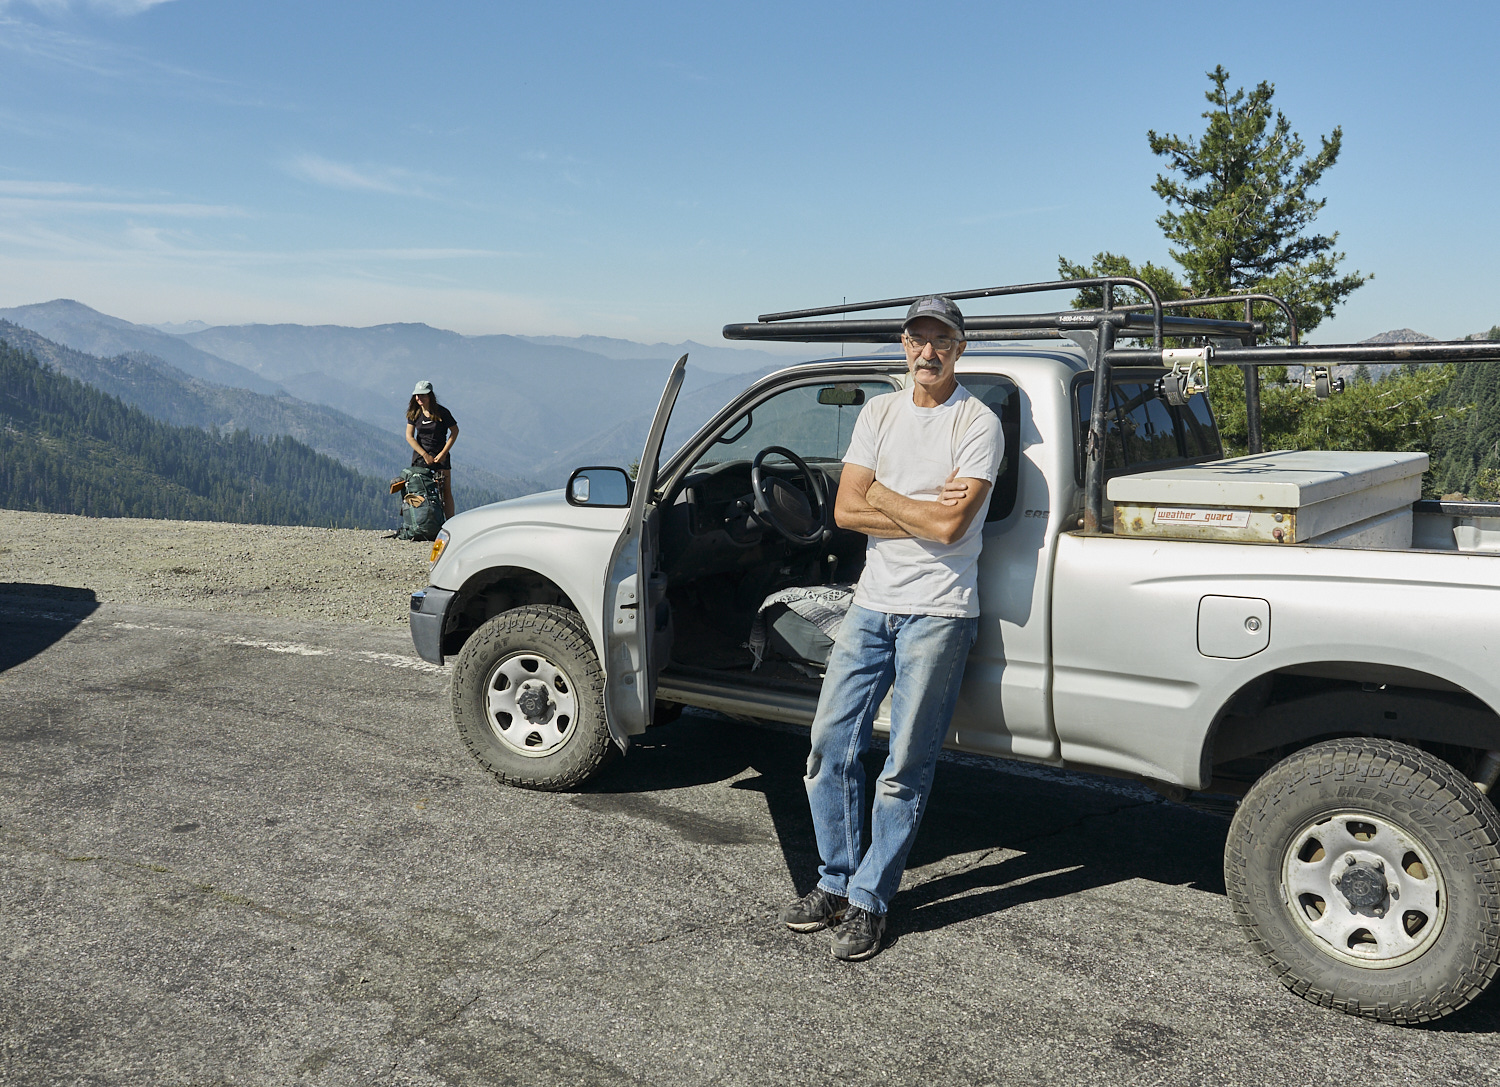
(911, 450)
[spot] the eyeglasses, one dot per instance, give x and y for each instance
(941, 343)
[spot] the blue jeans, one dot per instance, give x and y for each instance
(923, 656)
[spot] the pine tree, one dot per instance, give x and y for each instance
(1239, 209)
(1239, 220)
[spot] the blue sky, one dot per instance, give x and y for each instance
(654, 171)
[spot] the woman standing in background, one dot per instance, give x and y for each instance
(431, 432)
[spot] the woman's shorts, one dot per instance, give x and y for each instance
(444, 465)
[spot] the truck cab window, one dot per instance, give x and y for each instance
(1002, 397)
(1142, 430)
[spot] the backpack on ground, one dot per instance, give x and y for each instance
(421, 503)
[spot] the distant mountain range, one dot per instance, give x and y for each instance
(528, 408)
(1378, 370)
(727, 360)
(75, 325)
(1401, 335)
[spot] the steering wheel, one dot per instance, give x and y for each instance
(785, 508)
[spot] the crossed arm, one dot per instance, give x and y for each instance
(867, 505)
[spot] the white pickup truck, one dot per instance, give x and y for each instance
(1263, 627)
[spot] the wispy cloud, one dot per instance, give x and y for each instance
(55, 46)
(125, 7)
(51, 44)
(364, 178)
(69, 198)
(44, 188)
(116, 207)
(140, 246)
(48, 46)
(567, 168)
(112, 7)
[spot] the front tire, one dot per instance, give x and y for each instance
(528, 699)
(1366, 873)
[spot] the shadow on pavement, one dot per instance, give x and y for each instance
(1069, 837)
(1036, 838)
(33, 618)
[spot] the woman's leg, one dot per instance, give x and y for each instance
(447, 492)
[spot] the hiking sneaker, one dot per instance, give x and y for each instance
(814, 910)
(858, 938)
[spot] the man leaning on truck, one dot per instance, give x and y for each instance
(917, 472)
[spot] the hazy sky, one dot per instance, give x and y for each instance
(654, 171)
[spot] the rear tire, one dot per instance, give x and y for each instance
(1366, 873)
(528, 699)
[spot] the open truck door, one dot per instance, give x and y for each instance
(633, 592)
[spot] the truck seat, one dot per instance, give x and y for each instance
(800, 623)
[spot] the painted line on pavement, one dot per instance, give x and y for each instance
(299, 649)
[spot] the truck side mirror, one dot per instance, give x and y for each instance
(605, 487)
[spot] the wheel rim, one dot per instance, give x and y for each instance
(530, 704)
(1366, 891)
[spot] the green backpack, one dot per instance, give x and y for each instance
(421, 503)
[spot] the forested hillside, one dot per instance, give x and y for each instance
(69, 448)
(1466, 448)
(171, 395)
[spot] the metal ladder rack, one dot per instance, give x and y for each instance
(1097, 331)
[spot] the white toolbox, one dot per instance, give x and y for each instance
(1331, 498)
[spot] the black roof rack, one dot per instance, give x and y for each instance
(1231, 342)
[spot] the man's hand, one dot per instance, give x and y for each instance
(955, 490)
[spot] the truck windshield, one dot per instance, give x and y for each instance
(1142, 429)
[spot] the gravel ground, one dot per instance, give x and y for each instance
(330, 574)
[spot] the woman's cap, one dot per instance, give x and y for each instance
(424, 388)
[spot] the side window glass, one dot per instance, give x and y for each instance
(1199, 433)
(1132, 422)
(1142, 428)
(1114, 444)
(1160, 428)
(1002, 397)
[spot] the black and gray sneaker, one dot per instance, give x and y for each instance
(858, 937)
(814, 910)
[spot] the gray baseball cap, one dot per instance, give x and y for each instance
(938, 308)
(424, 388)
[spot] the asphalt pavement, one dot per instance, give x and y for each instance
(237, 850)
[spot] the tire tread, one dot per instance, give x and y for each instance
(568, 631)
(1406, 772)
